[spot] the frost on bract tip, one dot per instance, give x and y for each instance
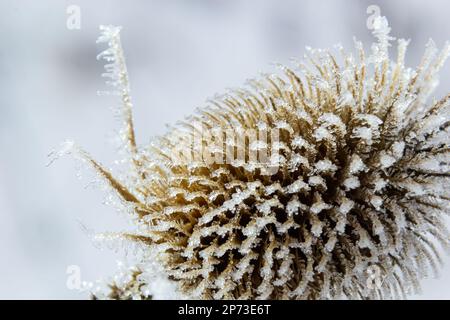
(361, 181)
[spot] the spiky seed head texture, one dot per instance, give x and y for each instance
(361, 181)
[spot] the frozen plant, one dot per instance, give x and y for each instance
(361, 182)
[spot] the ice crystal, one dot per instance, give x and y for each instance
(360, 179)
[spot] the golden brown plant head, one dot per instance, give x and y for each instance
(306, 184)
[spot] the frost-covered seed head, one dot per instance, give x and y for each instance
(362, 180)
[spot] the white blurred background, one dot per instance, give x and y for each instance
(179, 53)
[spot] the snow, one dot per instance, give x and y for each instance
(351, 183)
(363, 133)
(376, 201)
(322, 133)
(398, 148)
(293, 206)
(356, 164)
(316, 181)
(325, 166)
(299, 142)
(297, 186)
(379, 184)
(346, 206)
(386, 160)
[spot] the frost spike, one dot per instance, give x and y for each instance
(116, 69)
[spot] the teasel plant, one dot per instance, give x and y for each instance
(358, 182)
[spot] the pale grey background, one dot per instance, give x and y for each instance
(179, 53)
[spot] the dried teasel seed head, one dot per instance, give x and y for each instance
(353, 184)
